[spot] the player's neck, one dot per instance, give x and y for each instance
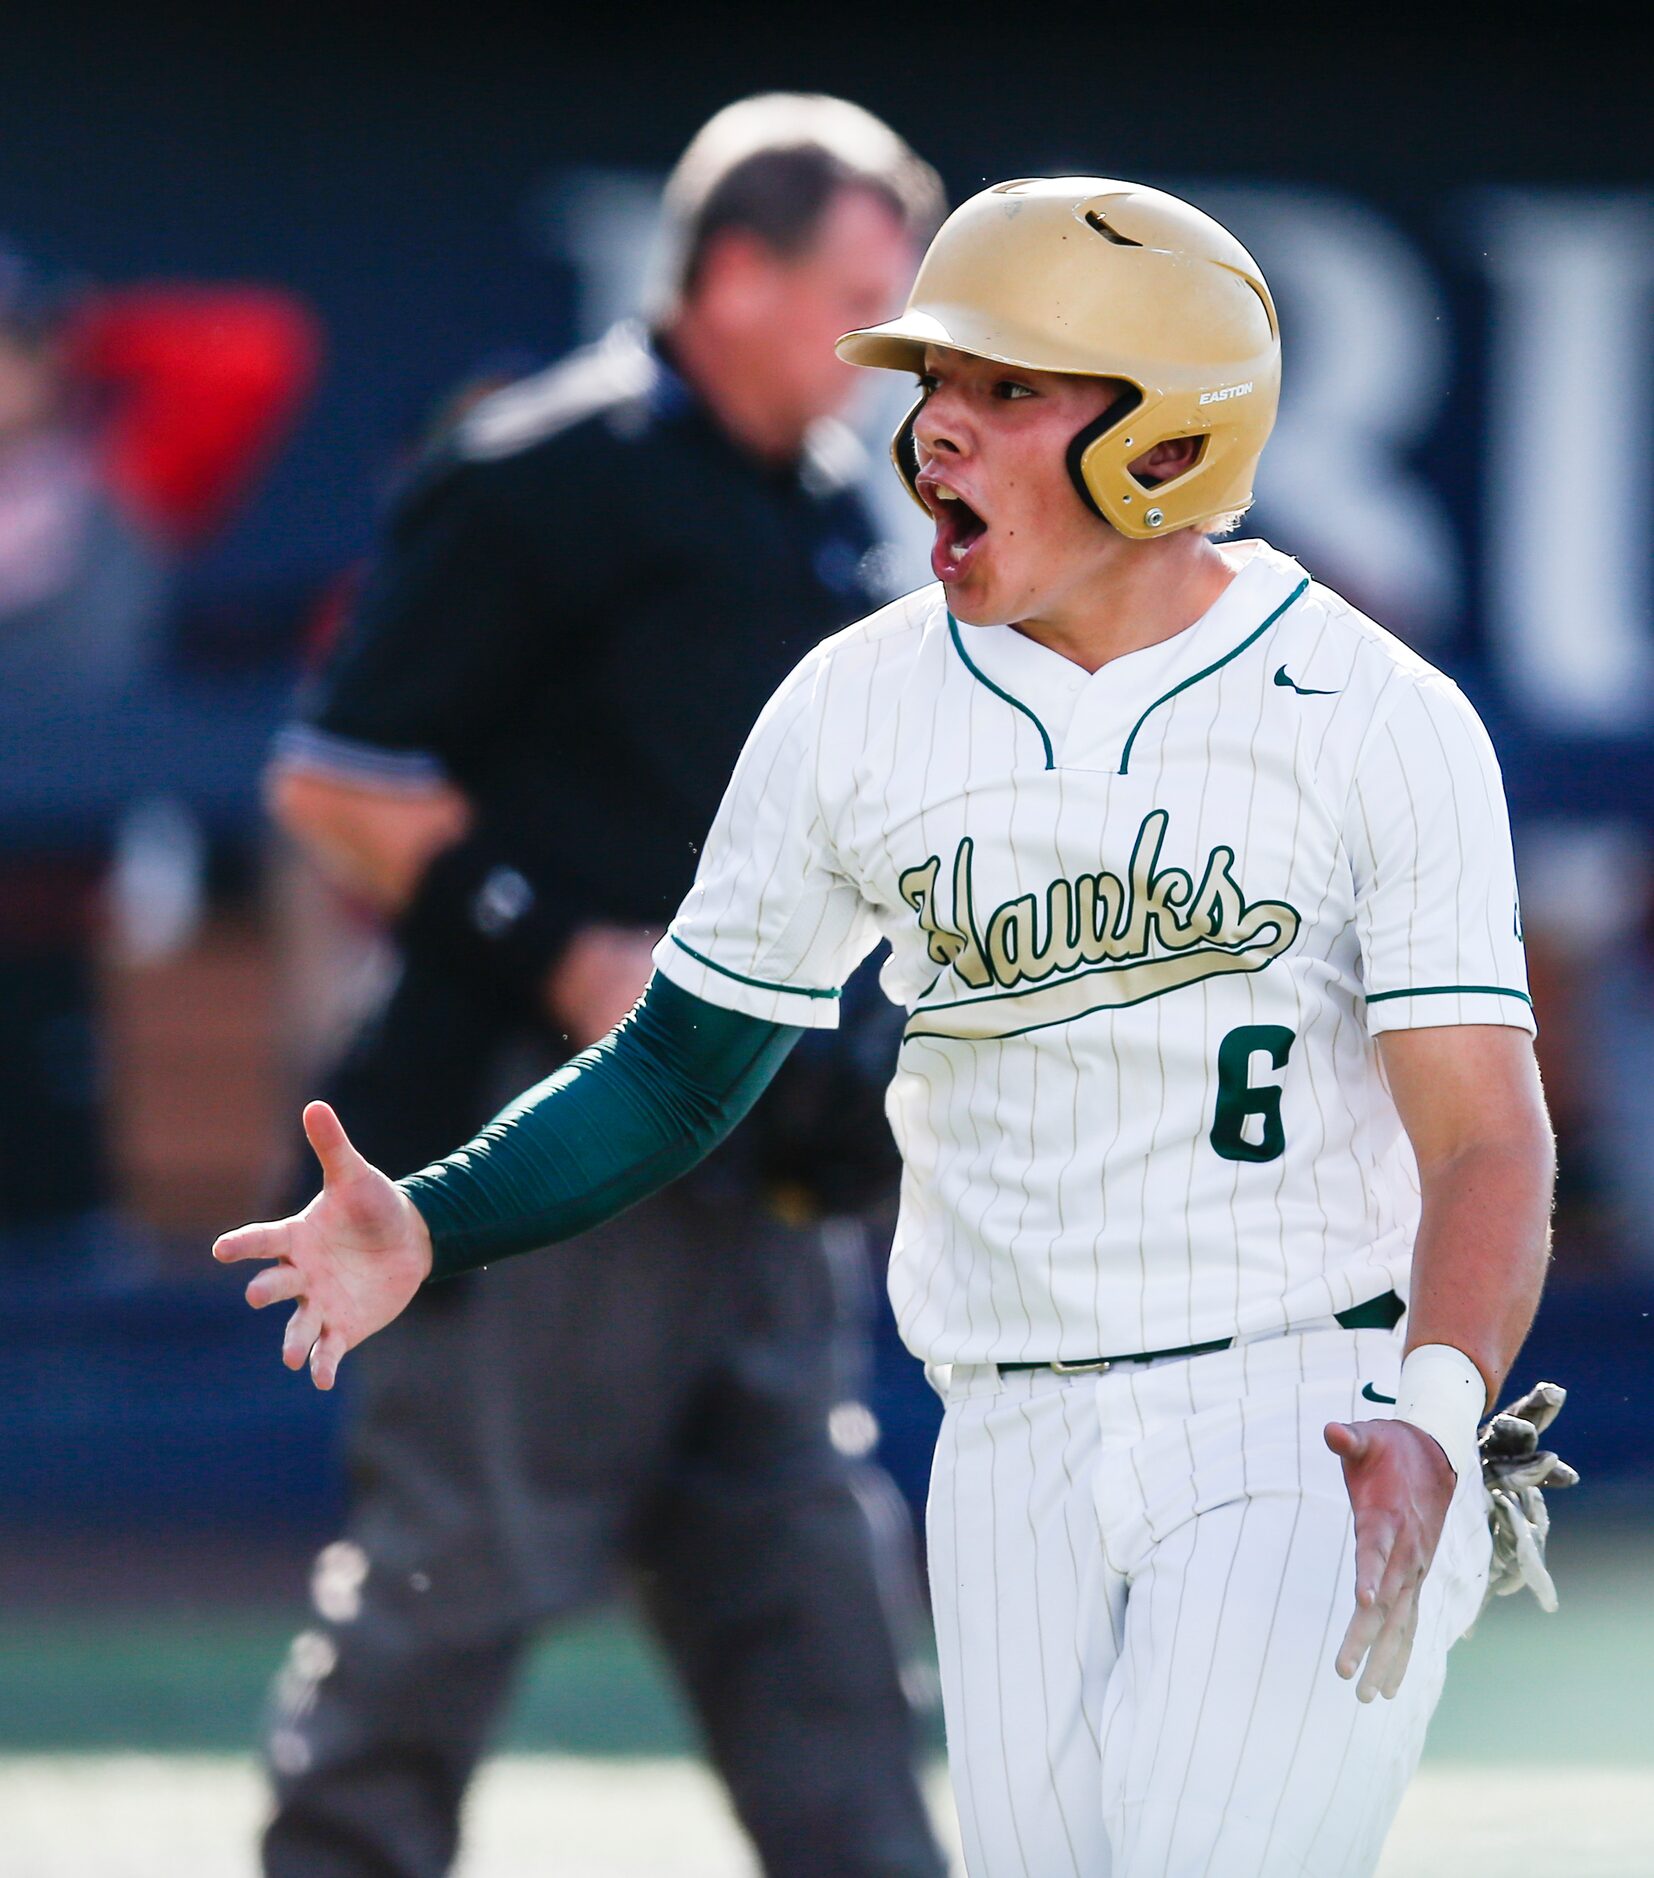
(737, 395)
(1142, 593)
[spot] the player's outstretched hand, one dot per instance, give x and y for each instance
(1400, 1483)
(353, 1258)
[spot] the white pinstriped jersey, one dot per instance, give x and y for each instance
(1147, 924)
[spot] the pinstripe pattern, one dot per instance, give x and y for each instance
(1063, 1196)
(1164, 1705)
(1139, 1578)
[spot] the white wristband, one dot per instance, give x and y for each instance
(1442, 1392)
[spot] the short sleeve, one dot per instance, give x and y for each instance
(772, 926)
(1435, 879)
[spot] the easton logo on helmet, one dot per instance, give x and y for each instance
(1171, 306)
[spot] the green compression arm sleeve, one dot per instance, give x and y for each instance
(621, 1121)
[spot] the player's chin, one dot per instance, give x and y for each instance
(975, 601)
(967, 580)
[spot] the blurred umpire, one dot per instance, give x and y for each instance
(581, 606)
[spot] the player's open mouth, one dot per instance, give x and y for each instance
(958, 530)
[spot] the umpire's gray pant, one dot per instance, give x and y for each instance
(651, 1399)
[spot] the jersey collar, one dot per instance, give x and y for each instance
(1088, 720)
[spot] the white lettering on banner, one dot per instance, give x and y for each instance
(1570, 453)
(1366, 363)
(1567, 478)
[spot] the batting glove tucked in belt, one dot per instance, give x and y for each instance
(1515, 1469)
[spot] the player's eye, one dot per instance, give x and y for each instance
(1009, 388)
(928, 381)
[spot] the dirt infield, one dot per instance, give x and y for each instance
(546, 1816)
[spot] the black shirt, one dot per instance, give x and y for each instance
(582, 606)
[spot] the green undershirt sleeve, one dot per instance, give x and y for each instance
(622, 1120)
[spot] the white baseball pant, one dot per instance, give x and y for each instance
(1140, 1580)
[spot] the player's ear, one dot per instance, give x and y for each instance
(1167, 460)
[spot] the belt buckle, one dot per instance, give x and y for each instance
(1094, 1365)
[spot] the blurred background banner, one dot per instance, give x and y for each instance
(1459, 227)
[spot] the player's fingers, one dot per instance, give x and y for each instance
(1402, 1652)
(326, 1357)
(1387, 1658)
(269, 1240)
(334, 1148)
(273, 1284)
(1363, 1629)
(1403, 1569)
(303, 1328)
(1376, 1668)
(1375, 1540)
(1348, 1440)
(1359, 1638)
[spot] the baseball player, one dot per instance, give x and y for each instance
(1227, 1172)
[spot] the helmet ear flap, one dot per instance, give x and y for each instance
(1117, 413)
(904, 452)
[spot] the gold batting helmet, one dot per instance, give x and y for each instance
(1105, 279)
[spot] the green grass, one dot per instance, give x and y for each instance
(175, 1683)
(1571, 1688)
(134, 1679)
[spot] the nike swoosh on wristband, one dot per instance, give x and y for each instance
(1370, 1394)
(1303, 691)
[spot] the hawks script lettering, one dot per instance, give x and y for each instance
(1149, 932)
